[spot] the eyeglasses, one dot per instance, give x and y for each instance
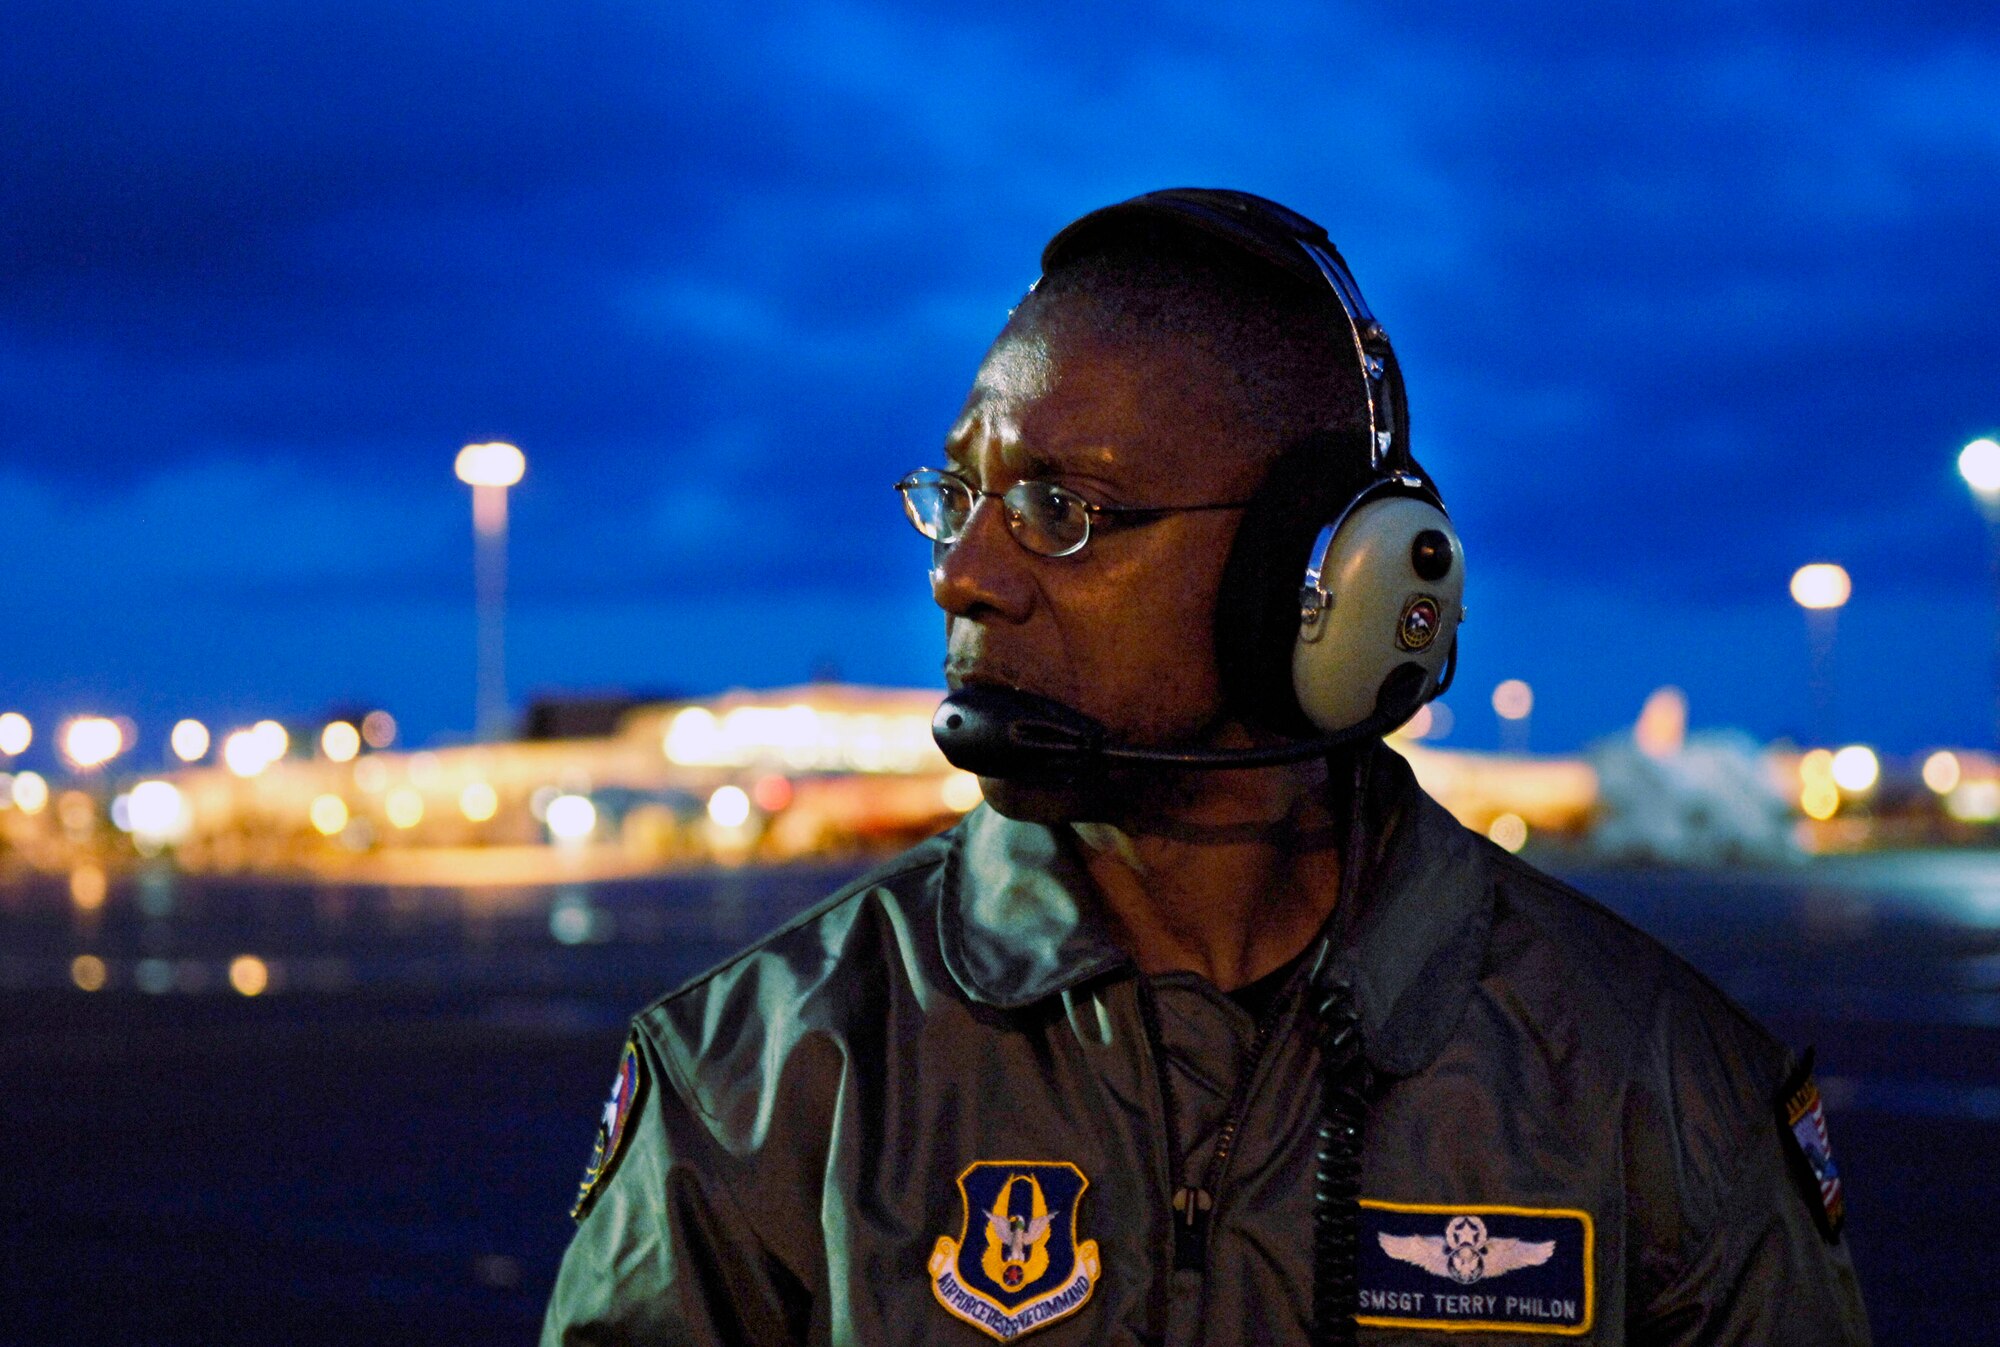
(1046, 519)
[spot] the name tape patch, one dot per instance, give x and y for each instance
(1468, 1267)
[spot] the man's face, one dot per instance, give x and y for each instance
(1124, 629)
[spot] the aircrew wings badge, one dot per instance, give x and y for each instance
(1016, 1265)
(626, 1089)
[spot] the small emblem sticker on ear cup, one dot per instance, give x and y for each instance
(1418, 626)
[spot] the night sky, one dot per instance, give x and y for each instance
(1686, 297)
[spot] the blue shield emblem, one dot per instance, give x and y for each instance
(1017, 1264)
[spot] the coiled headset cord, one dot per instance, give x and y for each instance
(1345, 1084)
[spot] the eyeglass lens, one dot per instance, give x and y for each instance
(1043, 517)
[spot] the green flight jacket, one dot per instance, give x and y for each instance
(832, 1137)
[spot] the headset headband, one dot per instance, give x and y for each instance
(1301, 248)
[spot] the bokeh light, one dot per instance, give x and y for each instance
(328, 814)
(1856, 769)
(249, 975)
(16, 733)
(91, 741)
(729, 807)
(494, 464)
(156, 812)
(88, 972)
(1821, 585)
(243, 753)
(1509, 831)
(1513, 700)
(1974, 801)
(1979, 465)
(378, 729)
(340, 741)
(478, 801)
(88, 887)
(31, 792)
(1819, 799)
(1942, 771)
(571, 818)
(271, 739)
(189, 740)
(404, 806)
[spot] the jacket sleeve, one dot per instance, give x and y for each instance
(1762, 1275)
(662, 1255)
(1727, 1247)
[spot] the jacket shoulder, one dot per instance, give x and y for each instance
(798, 993)
(1569, 946)
(1696, 1076)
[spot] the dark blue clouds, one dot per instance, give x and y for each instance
(1686, 298)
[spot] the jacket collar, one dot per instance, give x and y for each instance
(1018, 919)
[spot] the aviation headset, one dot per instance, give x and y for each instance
(1340, 603)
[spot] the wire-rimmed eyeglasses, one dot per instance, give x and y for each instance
(1046, 519)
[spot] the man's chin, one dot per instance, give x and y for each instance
(1047, 802)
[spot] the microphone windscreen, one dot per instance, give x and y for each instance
(1000, 732)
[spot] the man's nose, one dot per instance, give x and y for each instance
(984, 573)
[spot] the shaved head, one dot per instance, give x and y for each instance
(1286, 349)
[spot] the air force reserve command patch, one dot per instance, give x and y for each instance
(1017, 1264)
(1802, 1115)
(626, 1091)
(1466, 1267)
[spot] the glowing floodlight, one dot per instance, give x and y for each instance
(1821, 585)
(1979, 465)
(495, 464)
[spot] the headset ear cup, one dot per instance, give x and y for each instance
(1384, 643)
(1257, 609)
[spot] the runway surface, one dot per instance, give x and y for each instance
(381, 1147)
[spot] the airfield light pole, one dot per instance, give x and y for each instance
(1822, 589)
(1979, 465)
(489, 469)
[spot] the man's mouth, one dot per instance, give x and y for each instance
(958, 676)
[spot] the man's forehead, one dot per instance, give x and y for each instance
(1095, 402)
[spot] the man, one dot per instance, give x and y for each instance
(1201, 1053)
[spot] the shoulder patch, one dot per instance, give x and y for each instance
(1809, 1150)
(626, 1090)
(1017, 1264)
(1463, 1267)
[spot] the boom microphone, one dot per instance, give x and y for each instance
(1004, 733)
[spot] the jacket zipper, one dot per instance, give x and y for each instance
(1193, 1204)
